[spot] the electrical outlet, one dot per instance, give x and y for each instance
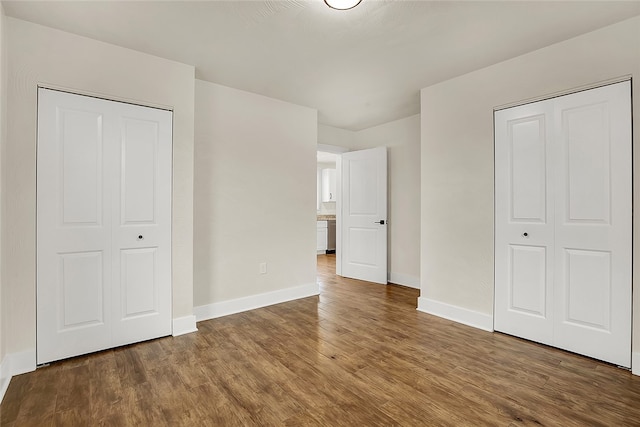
(263, 268)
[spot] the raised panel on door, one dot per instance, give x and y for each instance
(363, 249)
(73, 304)
(587, 293)
(593, 223)
(365, 252)
(80, 168)
(524, 231)
(362, 181)
(139, 283)
(139, 171)
(527, 280)
(142, 234)
(587, 168)
(527, 169)
(81, 290)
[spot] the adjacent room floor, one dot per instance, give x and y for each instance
(357, 355)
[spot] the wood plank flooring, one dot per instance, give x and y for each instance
(358, 355)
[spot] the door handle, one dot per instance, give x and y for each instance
(140, 237)
(381, 222)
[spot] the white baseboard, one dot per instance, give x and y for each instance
(457, 314)
(5, 377)
(225, 308)
(635, 363)
(404, 280)
(22, 362)
(15, 364)
(184, 325)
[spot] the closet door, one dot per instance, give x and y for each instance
(141, 226)
(103, 180)
(563, 222)
(524, 219)
(593, 196)
(73, 227)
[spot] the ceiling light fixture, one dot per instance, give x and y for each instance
(342, 4)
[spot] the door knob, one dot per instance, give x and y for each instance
(525, 234)
(381, 222)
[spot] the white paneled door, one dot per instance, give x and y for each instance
(564, 222)
(103, 224)
(364, 215)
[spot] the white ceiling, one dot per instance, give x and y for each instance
(359, 68)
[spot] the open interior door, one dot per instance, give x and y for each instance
(362, 217)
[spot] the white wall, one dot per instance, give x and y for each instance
(255, 186)
(457, 159)
(3, 104)
(40, 55)
(327, 208)
(402, 139)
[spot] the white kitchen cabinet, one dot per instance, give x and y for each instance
(328, 185)
(322, 237)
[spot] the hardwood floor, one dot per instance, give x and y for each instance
(358, 355)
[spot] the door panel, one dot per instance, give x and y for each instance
(103, 186)
(363, 251)
(528, 281)
(587, 147)
(142, 237)
(524, 224)
(140, 164)
(81, 290)
(593, 223)
(81, 166)
(588, 288)
(363, 181)
(138, 283)
(527, 169)
(73, 304)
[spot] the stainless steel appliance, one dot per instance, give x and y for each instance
(331, 237)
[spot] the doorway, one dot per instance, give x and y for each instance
(352, 194)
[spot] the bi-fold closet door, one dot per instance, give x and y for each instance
(563, 222)
(103, 224)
